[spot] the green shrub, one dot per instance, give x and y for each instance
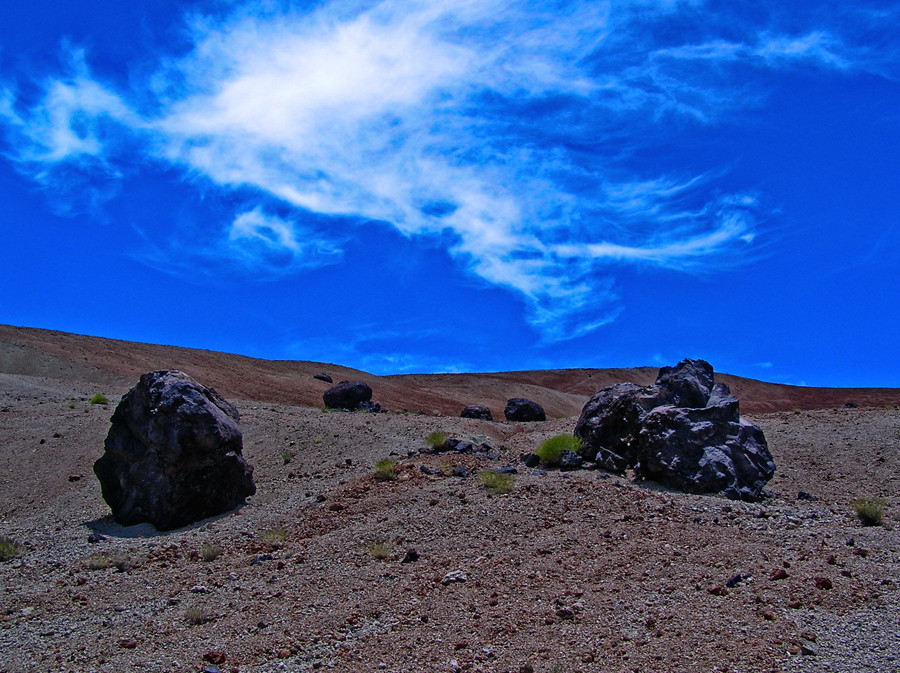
(436, 439)
(498, 483)
(386, 469)
(99, 398)
(869, 510)
(551, 450)
(210, 551)
(9, 549)
(288, 455)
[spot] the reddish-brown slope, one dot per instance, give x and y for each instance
(561, 392)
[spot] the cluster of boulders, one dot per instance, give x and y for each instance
(685, 431)
(517, 409)
(173, 454)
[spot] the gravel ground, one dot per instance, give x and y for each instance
(579, 571)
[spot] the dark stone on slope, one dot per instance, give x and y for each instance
(323, 377)
(684, 431)
(173, 454)
(348, 395)
(524, 410)
(478, 411)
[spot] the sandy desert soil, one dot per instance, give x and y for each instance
(579, 571)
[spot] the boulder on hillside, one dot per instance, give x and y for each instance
(521, 409)
(478, 411)
(348, 395)
(685, 431)
(173, 454)
(323, 377)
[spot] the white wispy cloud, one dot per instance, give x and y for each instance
(459, 117)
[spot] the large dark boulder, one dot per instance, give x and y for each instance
(348, 395)
(478, 411)
(684, 431)
(520, 409)
(173, 454)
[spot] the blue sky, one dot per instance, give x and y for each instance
(463, 185)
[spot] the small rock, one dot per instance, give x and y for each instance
(565, 613)
(717, 590)
(454, 577)
(128, 644)
(284, 654)
(460, 471)
(808, 648)
(531, 460)
(823, 583)
(199, 589)
(215, 657)
(569, 460)
(262, 557)
(778, 574)
(323, 377)
(212, 668)
(509, 469)
(411, 556)
(94, 538)
(803, 495)
(734, 581)
(426, 470)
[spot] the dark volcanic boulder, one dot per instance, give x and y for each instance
(347, 395)
(520, 409)
(478, 411)
(173, 454)
(684, 431)
(323, 377)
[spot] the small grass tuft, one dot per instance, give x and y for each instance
(9, 549)
(380, 549)
(197, 614)
(99, 398)
(550, 452)
(109, 559)
(274, 537)
(497, 483)
(436, 439)
(288, 455)
(869, 510)
(210, 551)
(386, 469)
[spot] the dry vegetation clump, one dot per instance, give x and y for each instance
(99, 398)
(380, 549)
(497, 483)
(9, 549)
(274, 537)
(198, 614)
(110, 559)
(869, 510)
(210, 551)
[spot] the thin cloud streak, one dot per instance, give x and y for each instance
(417, 114)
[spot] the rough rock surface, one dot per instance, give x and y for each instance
(323, 377)
(478, 411)
(347, 395)
(685, 431)
(521, 409)
(173, 454)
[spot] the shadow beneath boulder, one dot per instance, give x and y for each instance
(107, 526)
